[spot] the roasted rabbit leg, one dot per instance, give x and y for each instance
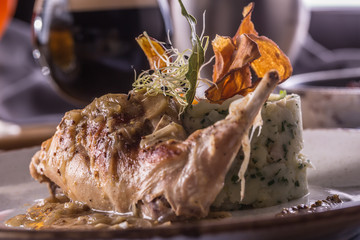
(95, 163)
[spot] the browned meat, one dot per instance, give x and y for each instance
(130, 155)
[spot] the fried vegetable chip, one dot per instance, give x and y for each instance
(271, 58)
(233, 58)
(271, 55)
(223, 50)
(153, 50)
(231, 69)
(246, 26)
(227, 87)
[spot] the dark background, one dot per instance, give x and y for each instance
(333, 42)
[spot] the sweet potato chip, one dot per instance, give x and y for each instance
(246, 51)
(152, 54)
(223, 49)
(227, 87)
(231, 69)
(271, 58)
(271, 55)
(246, 26)
(232, 66)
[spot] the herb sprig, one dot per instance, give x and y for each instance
(197, 57)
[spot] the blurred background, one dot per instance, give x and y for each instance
(58, 55)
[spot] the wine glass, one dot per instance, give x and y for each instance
(88, 47)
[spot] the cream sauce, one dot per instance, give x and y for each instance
(62, 213)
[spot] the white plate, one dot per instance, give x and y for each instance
(335, 154)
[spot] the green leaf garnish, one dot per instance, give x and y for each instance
(196, 58)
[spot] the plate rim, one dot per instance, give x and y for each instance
(346, 215)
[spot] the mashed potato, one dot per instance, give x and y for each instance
(277, 169)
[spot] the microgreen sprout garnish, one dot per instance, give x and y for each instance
(177, 73)
(169, 80)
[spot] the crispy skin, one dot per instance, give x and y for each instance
(93, 163)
